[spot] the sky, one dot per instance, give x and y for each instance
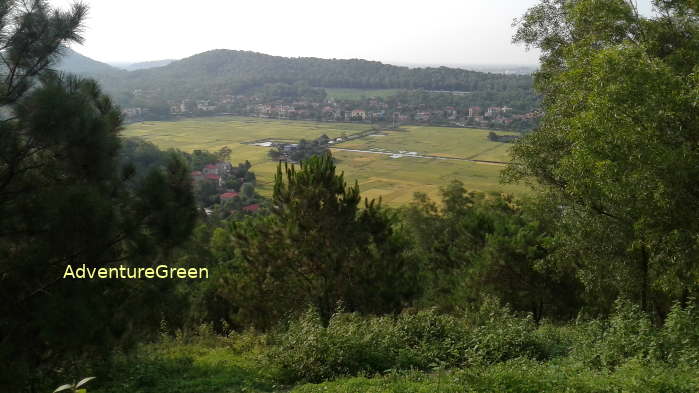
(434, 32)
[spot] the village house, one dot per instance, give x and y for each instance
(252, 208)
(197, 176)
(132, 112)
(227, 196)
(214, 178)
(492, 111)
(423, 116)
(206, 106)
(358, 114)
(210, 169)
(450, 113)
(223, 168)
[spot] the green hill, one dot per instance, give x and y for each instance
(220, 72)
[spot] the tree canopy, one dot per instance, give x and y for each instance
(617, 151)
(66, 199)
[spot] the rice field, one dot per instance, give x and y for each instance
(393, 179)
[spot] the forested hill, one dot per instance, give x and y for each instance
(231, 72)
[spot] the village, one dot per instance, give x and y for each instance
(370, 110)
(222, 186)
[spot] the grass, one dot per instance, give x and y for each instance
(358, 94)
(394, 180)
(519, 376)
(185, 368)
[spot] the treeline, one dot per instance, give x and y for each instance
(284, 91)
(376, 260)
(518, 99)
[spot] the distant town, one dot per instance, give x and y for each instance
(368, 110)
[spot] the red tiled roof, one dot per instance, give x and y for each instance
(252, 208)
(228, 195)
(212, 177)
(196, 173)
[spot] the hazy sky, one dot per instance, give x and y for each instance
(405, 31)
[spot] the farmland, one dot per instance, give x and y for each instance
(395, 180)
(357, 94)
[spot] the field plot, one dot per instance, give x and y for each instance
(358, 94)
(467, 143)
(394, 179)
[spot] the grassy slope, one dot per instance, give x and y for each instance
(395, 180)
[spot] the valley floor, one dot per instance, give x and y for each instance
(395, 180)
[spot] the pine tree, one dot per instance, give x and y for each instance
(66, 199)
(319, 247)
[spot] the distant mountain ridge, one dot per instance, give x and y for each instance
(75, 63)
(144, 65)
(222, 72)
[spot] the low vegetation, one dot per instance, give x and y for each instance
(489, 350)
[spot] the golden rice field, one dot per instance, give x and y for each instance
(395, 180)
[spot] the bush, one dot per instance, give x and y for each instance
(426, 340)
(607, 344)
(679, 337)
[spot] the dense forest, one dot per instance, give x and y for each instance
(589, 284)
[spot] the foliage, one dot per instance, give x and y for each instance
(491, 350)
(74, 386)
(284, 91)
(477, 245)
(426, 340)
(629, 335)
(317, 246)
(617, 150)
(66, 199)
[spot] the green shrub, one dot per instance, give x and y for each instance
(627, 334)
(679, 337)
(426, 340)
(501, 335)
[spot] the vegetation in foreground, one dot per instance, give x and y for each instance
(489, 350)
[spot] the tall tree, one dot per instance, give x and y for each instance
(66, 199)
(319, 247)
(618, 150)
(479, 245)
